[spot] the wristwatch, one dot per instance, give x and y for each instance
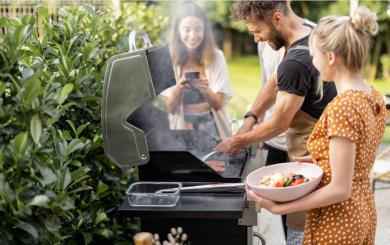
(251, 114)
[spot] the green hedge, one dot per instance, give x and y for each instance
(56, 184)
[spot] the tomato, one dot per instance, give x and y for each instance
(297, 182)
(279, 184)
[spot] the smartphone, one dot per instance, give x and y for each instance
(191, 76)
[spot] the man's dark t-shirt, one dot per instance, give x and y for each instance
(297, 75)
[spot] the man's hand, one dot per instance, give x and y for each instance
(229, 146)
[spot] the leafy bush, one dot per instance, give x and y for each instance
(56, 185)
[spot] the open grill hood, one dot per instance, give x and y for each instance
(132, 79)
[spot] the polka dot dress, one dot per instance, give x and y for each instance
(359, 117)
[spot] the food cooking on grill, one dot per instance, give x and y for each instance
(283, 180)
(218, 166)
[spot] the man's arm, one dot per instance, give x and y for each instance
(264, 100)
(286, 106)
(294, 79)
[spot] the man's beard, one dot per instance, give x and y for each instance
(276, 39)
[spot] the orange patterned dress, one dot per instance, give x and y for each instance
(359, 117)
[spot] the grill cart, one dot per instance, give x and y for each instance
(136, 132)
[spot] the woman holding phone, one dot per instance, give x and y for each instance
(203, 89)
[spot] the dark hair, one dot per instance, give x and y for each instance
(256, 10)
(205, 51)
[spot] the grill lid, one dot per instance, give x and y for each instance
(132, 80)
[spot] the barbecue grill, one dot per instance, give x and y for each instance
(136, 132)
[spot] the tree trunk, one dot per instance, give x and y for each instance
(237, 41)
(228, 43)
(305, 8)
(373, 66)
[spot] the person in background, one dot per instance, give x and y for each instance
(203, 87)
(292, 89)
(345, 140)
(276, 147)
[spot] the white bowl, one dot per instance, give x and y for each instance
(284, 194)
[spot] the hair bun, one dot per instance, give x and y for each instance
(365, 20)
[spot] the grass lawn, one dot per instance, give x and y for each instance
(245, 77)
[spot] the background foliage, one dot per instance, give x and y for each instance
(219, 11)
(56, 185)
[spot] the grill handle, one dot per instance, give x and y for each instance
(258, 235)
(138, 34)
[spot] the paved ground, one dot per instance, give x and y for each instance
(271, 227)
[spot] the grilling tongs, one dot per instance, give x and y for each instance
(202, 187)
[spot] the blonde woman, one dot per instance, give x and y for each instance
(345, 139)
(198, 103)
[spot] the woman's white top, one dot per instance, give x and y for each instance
(219, 82)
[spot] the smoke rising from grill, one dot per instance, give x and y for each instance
(177, 10)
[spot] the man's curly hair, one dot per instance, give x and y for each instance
(256, 10)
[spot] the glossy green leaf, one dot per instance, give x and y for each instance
(81, 128)
(48, 176)
(88, 238)
(52, 223)
(21, 143)
(39, 200)
(32, 89)
(4, 22)
(67, 178)
(82, 171)
(28, 20)
(28, 228)
(71, 124)
(84, 78)
(43, 12)
(104, 232)
(59, 148)
(65, 92)
(74, 145)
(36, 128)
(2, 88)
(81, 189)
(101, 217)
(67, 136)
(53, 119)
(101, 188)
(67, 204)
(6, 192)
